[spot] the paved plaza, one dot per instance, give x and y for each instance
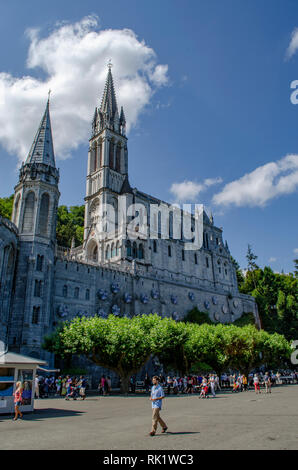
(230, 421)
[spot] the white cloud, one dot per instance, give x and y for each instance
(296, 251)
(189, 190)
(159, 75)
(71, 61)
(262, 184)
(293, 46)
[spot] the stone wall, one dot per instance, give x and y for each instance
(8, 255)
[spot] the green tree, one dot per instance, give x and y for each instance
(6, 205)
(243, 348)
(206, 344)
(245, 319)
(70, 224)
(239, 275)
(195, 316)
(296, 268)
(251, 263)
(168, 340)
(276, 350)
(119, 344)
(277, 298)
(124, 345)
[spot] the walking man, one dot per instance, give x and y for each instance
(157, 395)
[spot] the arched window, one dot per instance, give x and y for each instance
(207, 262)
(87, 294)
(39, 263)
(118, 157)
(95, 254)
(100, 154)
(159, 224)
(96, 162)
(76, 293)
(44, 214)
(141, 251)
(111, 154)
(35, 315)
(10, 262)
(155, 226)
(154, 246)
(37, 288)
(196, 258)
(64, 291)
(128, 248)
(93, 158)
(171, 224)
(169, 250)
(29, 212)
(183, 255)
(16, 209)
(113, 250)
(134, 250)
(108, 254)
(117, 248)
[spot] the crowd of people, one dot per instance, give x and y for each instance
(75, 387)
(209, 383)
(64, 386)
(105, 385)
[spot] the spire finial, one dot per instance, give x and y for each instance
(49, 94)
(109, 64)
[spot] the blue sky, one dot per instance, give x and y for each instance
(211, 103)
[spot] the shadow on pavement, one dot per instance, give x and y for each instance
(174, 433)
(46, 413)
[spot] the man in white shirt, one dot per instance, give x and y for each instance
(157, 395)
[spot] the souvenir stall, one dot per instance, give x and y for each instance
(13, 368)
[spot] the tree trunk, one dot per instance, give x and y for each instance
(124, 384)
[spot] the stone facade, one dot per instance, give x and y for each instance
(43, 284)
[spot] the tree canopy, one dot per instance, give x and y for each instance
(124, 345)
(70, 224)
(6, 204)
(277, 298)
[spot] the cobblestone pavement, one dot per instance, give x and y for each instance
(229, 421)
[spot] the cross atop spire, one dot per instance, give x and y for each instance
(42, 149)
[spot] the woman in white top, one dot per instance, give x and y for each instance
(257, 384)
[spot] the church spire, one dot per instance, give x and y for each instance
(108, 105)
(42, 149)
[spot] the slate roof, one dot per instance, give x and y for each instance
(42, 149)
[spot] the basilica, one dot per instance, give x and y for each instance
(115, 271)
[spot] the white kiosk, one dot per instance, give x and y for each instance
(13, 368)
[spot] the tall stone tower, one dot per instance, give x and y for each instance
(107, 172)
(35, 213)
